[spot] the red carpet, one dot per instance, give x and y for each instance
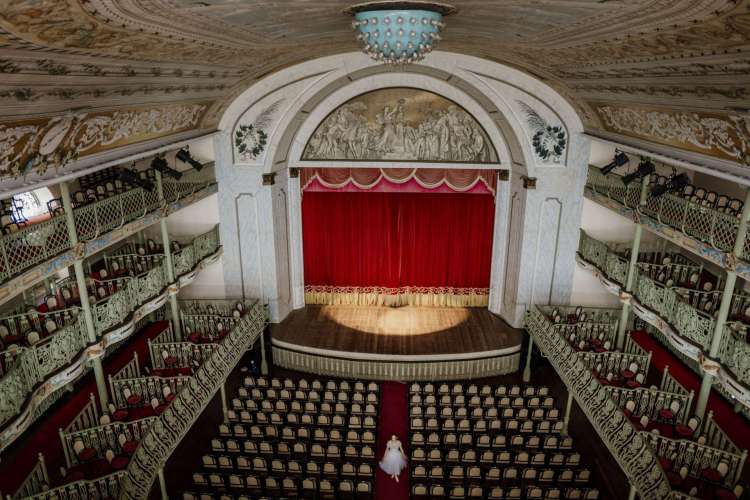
(735, 425)
(43, 436)
(394, 419)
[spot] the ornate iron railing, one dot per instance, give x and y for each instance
(650, 401)
(36, 481)
(714, 228)
(173, 424)
(59, 358)
(146, 387)
(631, 451)
(37, 243)
(104, 487)
(697, 457)
(102, 438)
(685, 327)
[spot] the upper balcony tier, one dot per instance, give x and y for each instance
(704, 230)
(37, 251)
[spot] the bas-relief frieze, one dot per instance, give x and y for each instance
(726, 136)
(36, 145)
(400, 124)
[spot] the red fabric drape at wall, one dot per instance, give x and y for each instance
(397, 239)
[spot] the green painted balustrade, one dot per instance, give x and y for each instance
(23, 368)
(714, 228)
(102, 438)
(104, 487)
(625, 443)
(37, 243)
(684, 309)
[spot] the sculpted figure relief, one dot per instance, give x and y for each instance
(400, 125)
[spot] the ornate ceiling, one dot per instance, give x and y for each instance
(673, 72)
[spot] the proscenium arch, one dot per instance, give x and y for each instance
(313, 89)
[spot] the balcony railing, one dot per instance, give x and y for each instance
(38, 243)
(712, 228)
(627, 446)
(54, 361)
(687, 313)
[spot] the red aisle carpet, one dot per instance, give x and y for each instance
(394, 419)
(43, 437)
(736, 426)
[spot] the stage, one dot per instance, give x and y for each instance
(404, 343)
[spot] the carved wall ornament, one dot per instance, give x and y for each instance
(400, 124)
(549, 141)
(726, 136)
(251, 136)
(37, 145)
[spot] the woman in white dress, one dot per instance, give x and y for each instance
(394, 459)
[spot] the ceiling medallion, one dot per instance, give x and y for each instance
(399, 32)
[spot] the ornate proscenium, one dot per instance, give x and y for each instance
(399, 32)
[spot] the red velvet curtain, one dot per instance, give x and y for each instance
(397, 240)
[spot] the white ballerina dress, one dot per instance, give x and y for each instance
(393, 462)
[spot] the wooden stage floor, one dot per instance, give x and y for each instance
(405, 331)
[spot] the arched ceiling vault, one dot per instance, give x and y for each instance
(675, 73)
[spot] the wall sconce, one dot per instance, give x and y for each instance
(503, 175)
(269, 179)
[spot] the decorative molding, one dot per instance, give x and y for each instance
(400, 124)
(343, 364)
(725, 136)
(36, 145)
(549, 141)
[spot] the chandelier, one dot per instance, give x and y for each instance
(399, 32)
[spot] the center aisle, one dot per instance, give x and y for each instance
(394, 419)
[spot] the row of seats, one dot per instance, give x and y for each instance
(259, 465)
(315, 385)
(308, 488)
(491, 426)
(304, 420)
(474, 390)
(471, 440)
(423, 492)
(507, 412)
(280, 406)
(497, 456)
(459, 401)
(475, 475)
(272, 395)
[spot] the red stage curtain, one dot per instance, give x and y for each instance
(404, 242)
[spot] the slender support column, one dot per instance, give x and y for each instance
(224, 408)
(721, 319)
(632, 270)
(527, 368)
(162, 485)
(566, 417)
(83, 293)
(173, 304)
(633, 493)
(263, 362)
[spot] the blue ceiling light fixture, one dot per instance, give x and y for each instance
(399, 32)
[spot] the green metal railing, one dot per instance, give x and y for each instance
(679, 307)
(25, 367)
(37, 243)
(714, 228)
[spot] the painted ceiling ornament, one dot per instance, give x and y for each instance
(722, 135)
(398, 32)
(250, 139)
(549, 141)
(35, 147)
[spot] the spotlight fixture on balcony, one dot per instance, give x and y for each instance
(645, 168)
(674, 183)
(160, 163)
(130, 177)
(399, 32)
(184, 156)
(619, 160)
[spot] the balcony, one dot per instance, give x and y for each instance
(34, 369)
(39, 250)
(705, 231)
(685, 316)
